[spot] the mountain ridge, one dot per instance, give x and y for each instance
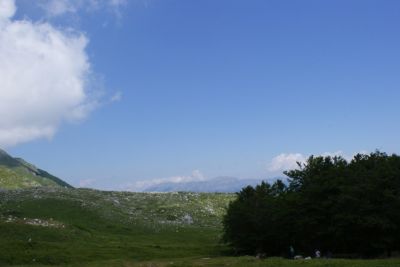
(221, 184)
(16, 173)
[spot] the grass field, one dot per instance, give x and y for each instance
(70, 227)
(235, 261)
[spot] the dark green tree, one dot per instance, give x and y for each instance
(252, 222)
(348, 208)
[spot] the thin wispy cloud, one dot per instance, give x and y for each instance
(58, 7)
(116, 97)
(86, 182)
(54, 8)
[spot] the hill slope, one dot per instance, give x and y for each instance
(16, 173)
(59, 225)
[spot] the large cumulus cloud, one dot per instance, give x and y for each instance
(44, 74)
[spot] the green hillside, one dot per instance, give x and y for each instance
(16, 173)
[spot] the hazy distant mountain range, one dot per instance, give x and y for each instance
(216, 185)
(16, 173)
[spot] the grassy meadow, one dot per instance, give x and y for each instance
(78, 227)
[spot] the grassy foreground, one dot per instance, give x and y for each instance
(70, 227)
(239, 261)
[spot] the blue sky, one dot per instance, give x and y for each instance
(223, 87)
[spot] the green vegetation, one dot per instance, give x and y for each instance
(16, 173)
(345, 208)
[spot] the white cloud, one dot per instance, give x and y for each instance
(139, 186)
(7, 9)
(285, 162)
(44, 76)
(289, 161)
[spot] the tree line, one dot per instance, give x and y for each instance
(338, 207)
